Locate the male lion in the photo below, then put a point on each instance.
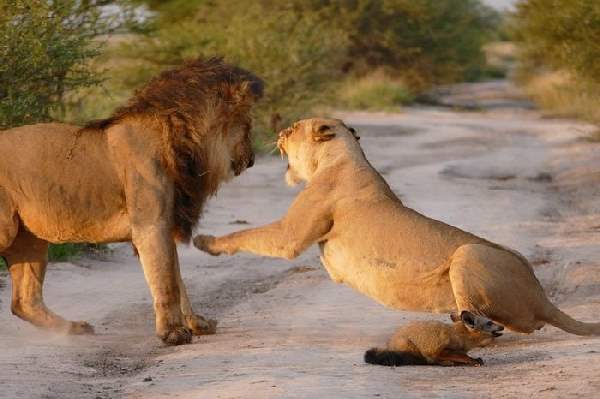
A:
(141, 175)
(372, 242)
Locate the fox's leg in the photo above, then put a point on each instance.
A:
(27, 260)
(495, 283)
(450, 358)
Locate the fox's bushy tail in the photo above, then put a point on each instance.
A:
(386, 357)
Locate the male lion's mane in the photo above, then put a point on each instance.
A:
(191, 105)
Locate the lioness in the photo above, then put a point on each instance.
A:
(141, 175)
(372, 242)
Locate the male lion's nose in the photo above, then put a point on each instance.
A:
(251, 161)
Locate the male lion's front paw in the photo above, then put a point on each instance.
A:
(207, 244)
(177, 336)
(201, 326)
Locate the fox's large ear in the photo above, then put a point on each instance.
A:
(467, 318)
(322, 132)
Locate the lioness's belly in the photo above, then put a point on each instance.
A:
(391, 282)
(394, 255)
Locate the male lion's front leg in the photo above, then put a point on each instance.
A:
(157, 254)
(196, 323)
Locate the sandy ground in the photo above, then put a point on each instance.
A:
(286, 331)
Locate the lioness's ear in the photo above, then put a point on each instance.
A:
(322, 133)
(354, 133)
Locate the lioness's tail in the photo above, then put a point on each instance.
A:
(392, 358)
(565, 322)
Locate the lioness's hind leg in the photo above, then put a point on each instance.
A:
(495, 283)
(27, 260)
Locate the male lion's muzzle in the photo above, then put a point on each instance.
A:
(239, 166)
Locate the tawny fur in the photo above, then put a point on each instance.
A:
(141, 176)
(431, 342)
(372, 242)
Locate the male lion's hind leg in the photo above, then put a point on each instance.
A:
(494, 283)
(196, 323)
(27, 260)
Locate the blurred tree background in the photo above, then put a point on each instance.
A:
(559, 43)
(348, 53)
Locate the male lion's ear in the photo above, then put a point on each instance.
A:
(246, 92)
(322, 133)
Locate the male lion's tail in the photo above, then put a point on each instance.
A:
(386, 357)
(559, 319)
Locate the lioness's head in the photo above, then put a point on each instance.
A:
(305, 144)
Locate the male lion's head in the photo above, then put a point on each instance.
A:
(202, 110)
(303, 143)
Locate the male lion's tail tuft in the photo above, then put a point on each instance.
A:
(385, 357)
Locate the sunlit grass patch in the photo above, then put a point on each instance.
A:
(376, 91)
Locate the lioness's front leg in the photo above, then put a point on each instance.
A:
(307, 221)
(271, 240)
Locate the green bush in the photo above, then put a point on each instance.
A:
(44, 48)
(561, 34)
(559, 43)
(432, 41)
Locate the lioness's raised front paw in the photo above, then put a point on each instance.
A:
(201, 326)
(80, 328)
(207, 244)
(177, 336)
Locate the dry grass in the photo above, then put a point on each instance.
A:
(559, 94)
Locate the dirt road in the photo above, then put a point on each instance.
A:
(286, 331)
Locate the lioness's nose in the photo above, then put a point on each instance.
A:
(251, 161)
